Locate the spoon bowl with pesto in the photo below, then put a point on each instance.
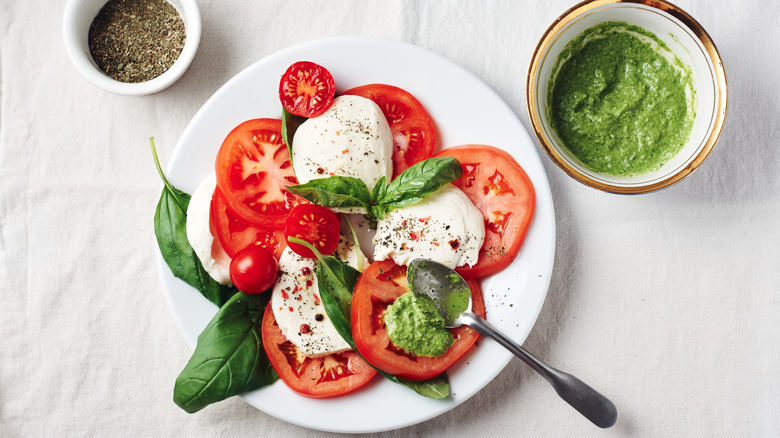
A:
(627, 97)
(451, 295)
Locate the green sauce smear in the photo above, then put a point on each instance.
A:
(620, 100)
(414, 324)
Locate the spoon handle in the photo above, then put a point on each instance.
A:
(594, 406)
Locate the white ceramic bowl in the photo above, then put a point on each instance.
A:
(75, 29)
(684, 37)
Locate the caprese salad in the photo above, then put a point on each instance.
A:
(271, 239)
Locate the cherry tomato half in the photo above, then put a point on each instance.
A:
(253, 270)
(505, 196)
(314, 224)
(413, 133)
(306, 89)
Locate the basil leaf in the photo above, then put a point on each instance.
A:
(336, 280)
(229, 358)
(170, 222)
(377, 211)
(290, 124)
(436, 388)
(335, 192)
(418, 181)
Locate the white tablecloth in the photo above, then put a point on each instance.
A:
(667, 302)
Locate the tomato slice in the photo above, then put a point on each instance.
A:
(505, 196)
(378, 286)
(253, 168)
(318, 377)
(314, 224)
(236, 234)
(413, 133)
(306, 89)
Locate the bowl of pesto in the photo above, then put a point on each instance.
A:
(627, 97)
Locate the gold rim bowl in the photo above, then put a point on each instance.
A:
(685, 37)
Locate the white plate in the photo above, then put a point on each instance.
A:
(465, 110)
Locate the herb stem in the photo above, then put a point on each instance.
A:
(167, 184)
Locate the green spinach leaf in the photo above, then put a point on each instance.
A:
(229, 358)
(170, 222)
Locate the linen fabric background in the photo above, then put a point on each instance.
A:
(666, 302)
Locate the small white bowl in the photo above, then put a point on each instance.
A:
(684, 37)
(75, 30)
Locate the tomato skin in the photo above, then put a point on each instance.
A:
(414, 135)
(377, 287)
(321, 377)
(314, 224)
(253, 270)
(501, 190)
(306, 89)
(235, 234)
(253, 169)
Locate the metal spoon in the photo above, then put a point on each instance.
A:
(453, 298)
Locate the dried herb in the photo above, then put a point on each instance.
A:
(136, 40)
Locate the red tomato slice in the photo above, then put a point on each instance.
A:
(236, 234)
(314, 224)
(253, 167)
(320, 377)
(306, 89)
(378, 286)
(505, 196)
(413, 133)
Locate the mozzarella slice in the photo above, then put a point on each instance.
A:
(208, 249)
(297, 305)
(351, 138)
(445, 227)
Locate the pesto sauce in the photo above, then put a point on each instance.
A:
(414, 324)
(617, 103)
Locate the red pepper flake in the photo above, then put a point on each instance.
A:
(435, 243)
(285, 295)
(297, 289)
(454, 244)
(290, 308)
(309, 283)
(316, 299)
(424, 220)
(403, 223)
(331, 173)
(344, 151)
(305, 329)
(299, 297)
(414, 236)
